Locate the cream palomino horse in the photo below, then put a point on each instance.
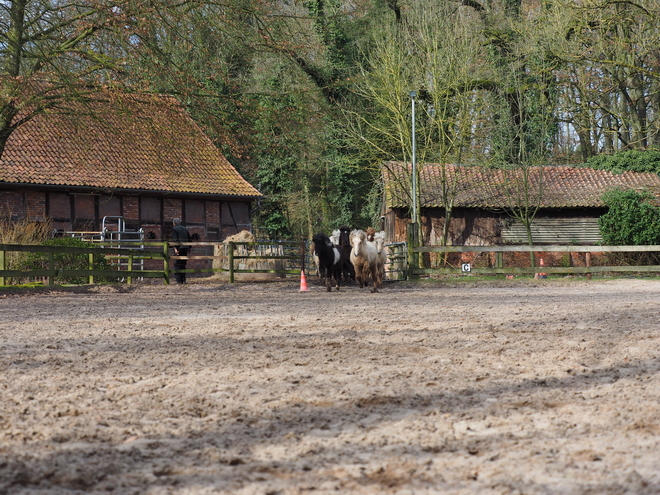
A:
(365, 259)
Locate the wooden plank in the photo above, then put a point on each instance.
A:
(3, 266)
(283, 272)
(76, 250)
(542, 269)
(541, 249)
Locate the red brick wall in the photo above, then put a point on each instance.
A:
(150, 209)
(210, 220)
(131, 208)
(59, 205)
(197, 231)
(36, 205)
(213, 213)
(109, 206)
(235, 218)
(11, 204)
(172, 208)
(194, 211)
(152, 232)
(84, 207)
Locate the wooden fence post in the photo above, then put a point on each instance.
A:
(51, 266)
(587, 259)
(230, 246)
(413, 242)
(90, 266)
(3, 266)
(129, 279)
(166, 262)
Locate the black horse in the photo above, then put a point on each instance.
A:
(331, 260)
(345, 244)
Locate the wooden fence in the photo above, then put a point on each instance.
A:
(499, 268)
(288, 258)
(284, 257)
(127, 263)
(121, 262)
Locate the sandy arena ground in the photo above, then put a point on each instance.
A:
(511, 387)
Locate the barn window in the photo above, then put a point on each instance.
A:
(194, 211)
(150, 210)
(59, 206)
(109, 206)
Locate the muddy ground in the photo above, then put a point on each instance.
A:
(511, 387)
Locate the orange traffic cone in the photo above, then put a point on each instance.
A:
(303, 282)
(542, 275)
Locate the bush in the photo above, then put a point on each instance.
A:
(630, 160)
(69, 261)
(22, 231)
(631, 218)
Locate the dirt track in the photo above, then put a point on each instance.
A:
(517, 387)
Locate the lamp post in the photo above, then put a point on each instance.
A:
(413, 94)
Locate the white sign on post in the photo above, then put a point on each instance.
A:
(466, 267)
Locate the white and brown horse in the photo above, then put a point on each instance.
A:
(366, 260)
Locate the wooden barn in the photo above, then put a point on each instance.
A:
(137, 158)
(569, 201)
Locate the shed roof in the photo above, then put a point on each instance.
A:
(489, 188)
(117, 142)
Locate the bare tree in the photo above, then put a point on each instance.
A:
(51, 52)
(437, 51)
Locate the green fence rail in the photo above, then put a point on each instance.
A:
(122, 262)
(280, 258)
(284, 258)
(415, 270)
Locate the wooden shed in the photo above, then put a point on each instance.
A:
(137, 157)
(569, 201)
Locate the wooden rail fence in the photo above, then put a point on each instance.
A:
(284, 258)
(499, 268)
(157, 251)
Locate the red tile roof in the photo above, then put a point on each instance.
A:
(120, 142)
(477, 187)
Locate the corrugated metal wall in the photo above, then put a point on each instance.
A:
(555, 231)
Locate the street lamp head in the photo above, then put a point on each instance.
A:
(413, 94)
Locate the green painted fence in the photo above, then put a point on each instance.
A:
(414, 269)
(123, 262)
(289, 258)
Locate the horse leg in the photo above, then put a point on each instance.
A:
(359, 275)
(375, 273)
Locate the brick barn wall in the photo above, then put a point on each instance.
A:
(12, 204)
(209, 220)
(84, 213)
(109, 206)
(36, 205)
(131, 209)
(152, 232)
(172, 208)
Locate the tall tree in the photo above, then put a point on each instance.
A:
(51, 51)
(439, 52)
(608, 71)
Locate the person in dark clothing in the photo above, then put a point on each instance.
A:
(180, 234)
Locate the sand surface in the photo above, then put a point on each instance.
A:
(511, 387)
